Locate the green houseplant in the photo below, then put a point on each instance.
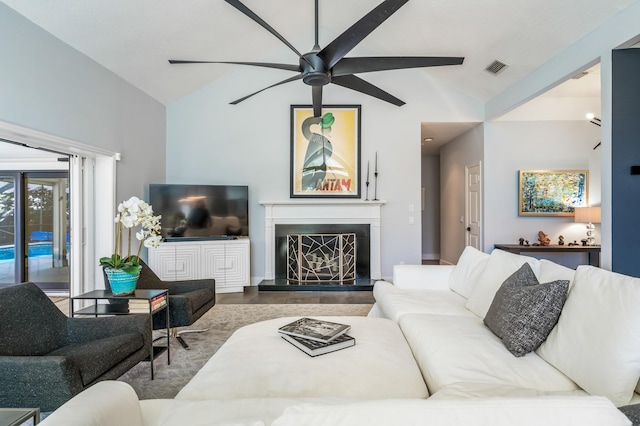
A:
(123, 271)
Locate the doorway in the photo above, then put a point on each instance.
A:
(34, 228)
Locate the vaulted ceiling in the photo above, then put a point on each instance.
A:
(134, 39)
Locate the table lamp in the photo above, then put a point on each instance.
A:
(589, 215)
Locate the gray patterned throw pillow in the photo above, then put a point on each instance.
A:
(524, 312)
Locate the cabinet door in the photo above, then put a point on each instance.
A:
(213, 264)
(172, 262)
(186, 265)
(236, 265)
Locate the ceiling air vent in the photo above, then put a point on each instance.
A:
(495, 67)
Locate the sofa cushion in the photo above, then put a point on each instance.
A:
(96, 357)
(548, 411)
(455, 348)
(467, 271)
(393, 302)
(500, 266)
(597, 340)
(256, 362)
(523, 311)
(551, 271)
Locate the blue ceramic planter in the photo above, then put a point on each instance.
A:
(122, 283)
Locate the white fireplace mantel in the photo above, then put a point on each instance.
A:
(322, 211)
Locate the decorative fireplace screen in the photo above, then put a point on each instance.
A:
(321, 257)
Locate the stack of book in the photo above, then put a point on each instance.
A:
(143, 306)
(317, 337)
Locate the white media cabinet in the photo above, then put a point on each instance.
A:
(227, 261)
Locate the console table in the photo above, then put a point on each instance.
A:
(593, 252)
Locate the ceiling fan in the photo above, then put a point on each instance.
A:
(329, 65)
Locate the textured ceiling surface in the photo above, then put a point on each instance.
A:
(134, 39)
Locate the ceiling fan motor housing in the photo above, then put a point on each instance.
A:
(314, 70)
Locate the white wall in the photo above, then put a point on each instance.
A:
(431, 213)
(210, 141)
(46, 85)
(620, 31)
(544, 145)
(454, 157)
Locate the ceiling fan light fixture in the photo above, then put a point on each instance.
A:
(496, 67)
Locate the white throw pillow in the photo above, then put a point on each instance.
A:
(467, 271)
(500, 266)
(596, 342)
(551, 271)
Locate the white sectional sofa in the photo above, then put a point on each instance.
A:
(427, 332)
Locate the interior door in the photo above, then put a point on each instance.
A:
(473, 206)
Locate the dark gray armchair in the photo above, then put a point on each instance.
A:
(188, 300)
(46, 358)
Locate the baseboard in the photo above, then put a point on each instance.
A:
(430, 256)
(444, 262)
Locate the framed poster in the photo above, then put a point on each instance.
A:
(325, 152)
(552, 192)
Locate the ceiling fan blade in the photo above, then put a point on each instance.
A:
(368, 64)
(359, 85)
(346, 41)
(287, 67)
(244, 9)
(317, 100)
(288, 80)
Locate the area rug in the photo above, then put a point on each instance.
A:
(221, 321)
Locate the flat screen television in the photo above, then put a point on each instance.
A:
(193, 212)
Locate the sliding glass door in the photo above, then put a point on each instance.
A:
(34, 228)
(7, 230)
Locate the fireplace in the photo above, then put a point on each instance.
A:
(323, 217)
(361, 242)
(321, 258)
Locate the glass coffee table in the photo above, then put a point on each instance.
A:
(18, 416)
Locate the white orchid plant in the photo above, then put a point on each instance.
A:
(131, 213)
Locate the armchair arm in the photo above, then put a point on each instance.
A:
(422, 277)
(87, 329)
(38, 381)
(181, 287)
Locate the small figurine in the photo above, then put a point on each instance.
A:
(526, 243)
(584, 241)
(560, 240)
(521, 240)
(543, 239)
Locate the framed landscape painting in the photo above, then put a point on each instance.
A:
(552, 192)
(325, 152)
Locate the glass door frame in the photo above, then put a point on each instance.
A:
(20, 223)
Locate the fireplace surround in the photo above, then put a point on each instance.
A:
(328, 213)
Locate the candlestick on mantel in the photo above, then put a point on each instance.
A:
(375, 182)
(366, 198)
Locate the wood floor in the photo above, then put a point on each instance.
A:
(251, 295)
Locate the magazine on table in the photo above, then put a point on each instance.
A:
(315, 348)
(314, 329)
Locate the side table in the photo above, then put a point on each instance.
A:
(17, 416)
(141, 302)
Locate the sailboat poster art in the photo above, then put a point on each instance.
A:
(325, 152)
